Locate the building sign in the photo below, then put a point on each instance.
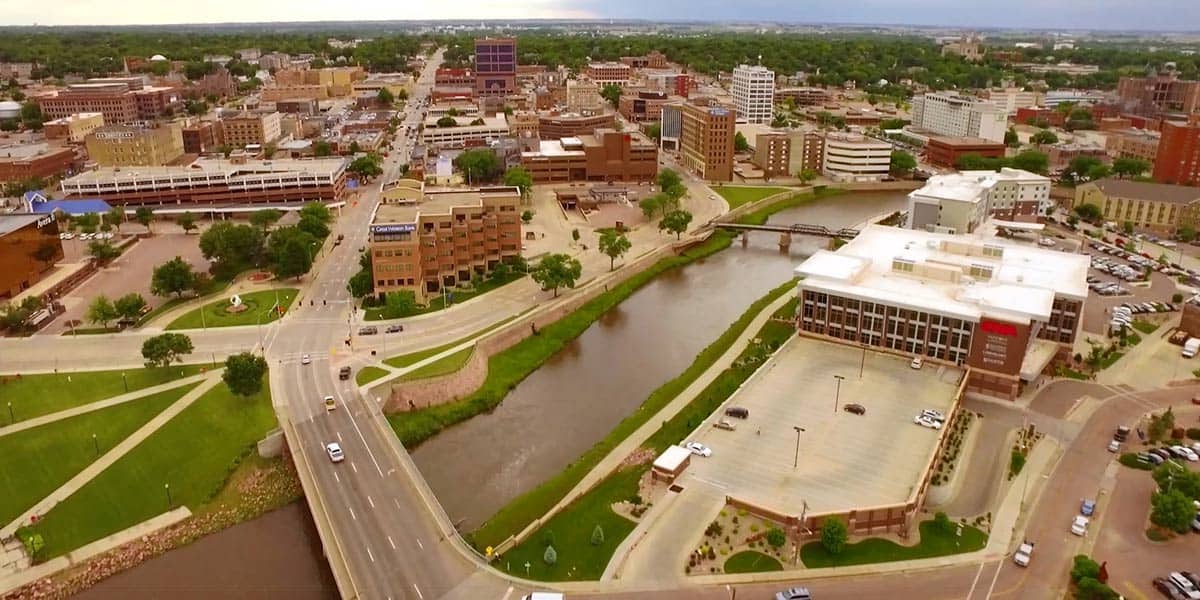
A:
(997, 337)
(113, 135)
(44, 221)
(396, 228)
(998, 328)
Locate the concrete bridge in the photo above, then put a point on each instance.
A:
(787, 231)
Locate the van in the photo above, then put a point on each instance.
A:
(742, 413)
(1191, 347)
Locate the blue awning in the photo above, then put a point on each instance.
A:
(71, 207)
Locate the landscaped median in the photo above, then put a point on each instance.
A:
(577, 557)
(737, 195)
(936, 540)
(261, 307)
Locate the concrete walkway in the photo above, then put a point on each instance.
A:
(99, 405)
(659, 553)
(80, 479)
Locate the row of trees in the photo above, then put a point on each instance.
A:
(287, 251)
(243, 374)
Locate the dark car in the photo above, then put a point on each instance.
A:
(344, 373)
(1121, 434)
(394, 329)
(369, 330)
(856, 409)
(1168, 590)
(793, 594)
(737, 411)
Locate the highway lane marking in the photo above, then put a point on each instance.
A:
(352, 515)
(419, 544)
(369, 555)
(353, 467)
(364, 441)
(994, 579)
(393, 544)
(975, 582)
(419, 594)
(371, 502)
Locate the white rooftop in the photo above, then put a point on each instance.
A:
(671, 458)
(1023, 283)
(969, 186)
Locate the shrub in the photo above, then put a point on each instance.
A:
(1193, 433)
(1084, 567)
(1177, 297)
(834, 536)
(942, 523)
(597, 535)
(550, 556)
(776, 538)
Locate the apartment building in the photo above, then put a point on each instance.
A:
(644, 105)
(706, 139)
(950, 114)
(945, 151)
(1178, 157)
(1157, 207)
(606, 155)
(73, 128)
(437, 240)
(215, 182)
(1004, 310)
(753, 90)
(609, 73)
(136, 146)
(808, 152)
(773, 153)
(19, 162)
(247, 128)
(558, 126)
(962, 202)
(495, 66)
(850, 157)
(583, 96)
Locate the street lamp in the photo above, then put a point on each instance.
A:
(796, 461)
(863, 365)
(96, 444)
(837, 394)
(167, 487)
(125, 381)
(11, 418)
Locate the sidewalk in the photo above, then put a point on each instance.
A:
(112, 456)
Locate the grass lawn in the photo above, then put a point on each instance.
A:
(369, 374)
(1145, 327)
(442, 366)
(737, 196)
(214, 287)
(45, 393)
(533, 504)
(195, 453)
(760, 216)
(876, 550)
(459, 296)
(36, 461)
(412, 358)
(749, 561)
(258, 310)
(570, 532)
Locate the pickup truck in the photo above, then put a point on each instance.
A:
(1023, 554)
(1191, 347)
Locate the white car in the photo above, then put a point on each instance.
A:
(925, 421)
(335, 452)
(1079, 525)
(699, 449)
(1186, 452)
(1114, 446)
(917, 362)
(305, 359)
(1023, 554)
(933, 414)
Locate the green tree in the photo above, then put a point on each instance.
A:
(129, 307)
(172, 277)
(1084, 566)
(399, 304)
(321, 148)
(31, 116)
(103, 251)
(88, 223)
(1129, 167)
(597, 535)
(265, 218)
(1127, 227)
(231, 247)
(313, 226)
(115, 216)
(942, 523)
(291, 252)
(520, 178)
(740, 144)
(779, 121)
(834, 535)
(1089, 212)
(385, 97)
(447, 121)
(675, 222)
(187, 221)
(1045, 136)
(363, 282)
(244, 373)
(101, 311)
(1186, 233)
(557, 270)
(164, 349)
(366, 167)
(1172, 510)
(612, 93)
(1090, 588)
(1010, 138)
(902, 163)
(1032, 161)
(527, 217)
(776, 537)
(1171, 476)
(806, 176)
(654, 131)
(480, 166)
(144, 216)
(671, 184)
(1161, 425)
(614, 245)
(550, 556)
(1081, 169)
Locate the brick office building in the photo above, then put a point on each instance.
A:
(495, 66)
(121, 100)
(555, 127)
(29, 247)
(443, 238)
(1178, 157)
(706, 139)
(644, 105)
(606, 155)
(19, 162)
(945, 151)
(1003, 310)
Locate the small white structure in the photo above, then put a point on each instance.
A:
(671, 463)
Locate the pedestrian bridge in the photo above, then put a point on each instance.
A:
(797, 229)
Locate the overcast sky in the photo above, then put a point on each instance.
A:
(1055, 14)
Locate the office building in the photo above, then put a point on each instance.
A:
(583, 96)
(333, 82)
(950, 114)
(298, 106)
(1010, 99)
(200, 137)
(120, 100)
(215, 183)
(850, 157)
(73, 128)
(945, 151)
(671, 127)
(652, 60)
(706, 139)
(558, 126)
(606, 156)
(644, 105)
(428, 242)
(1133, 143)
(808, 152)
(962, 202)
(134, 146)
(1160, 93)
(803, 96)
(453, 77)
(1156, 207)
(609, 73)
(773, 153)
(495, 66)
(966, 47)
(21, 162)
(248, 129)
(753, 90)
(29, 247)
(1003, 310)
(468, 131)
(1178, 158)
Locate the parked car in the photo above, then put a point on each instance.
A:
(925, 421)
(933, 414)
(699, 449)
(725, 424)
(305, 359)
(344, 373)
(1167, 589)
(1114, 446)
(1186, 453)
(1184, 585)
(1121, 433)
(1023, 554)
(335, 452)
(1079, 525)
(793, 594)
(856, 409)
(397, 328)
(917, 362)
(369, 330)
(737, 411)
(1087, 507)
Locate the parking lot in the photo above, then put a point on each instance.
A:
(1116, 279)
(845, 460)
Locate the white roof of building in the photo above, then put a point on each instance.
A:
(1024, 279)
(968, 186)
(672, 458)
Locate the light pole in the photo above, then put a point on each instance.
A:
(838, 393)
(863, 365)
(796, 461)
(96, 444)
(167, 487)
(125, 381)
(11, 418)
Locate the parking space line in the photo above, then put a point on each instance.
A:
(391, 543)
(371, 502)
(419, 594)
(336, 478)
(369, 555)
(419, 544)
(353, 467)
(352, 515)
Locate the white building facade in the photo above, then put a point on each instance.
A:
(753, 90)
(961, 202)
(850, 157)
(948, 113)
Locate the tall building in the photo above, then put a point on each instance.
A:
(200, 136)
(944, 151)
(671, 127)
(773, 153)
(607, 155)
(245, 129)
(133, 146)
(120, 100)
(949, 114)
(556, 127)
(961, 202)
(808, 152)
(425, 242)
(583, 96)
(1011, 98)
(1178, 158)
(753, 91)
(1159, 93)
(495, 66)
(643, 105)
(73, 128)
(850, 157)
(1005, 310)
(706, 139)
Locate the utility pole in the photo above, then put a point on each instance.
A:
(863, 365)
(838, 393)
(796, 460)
